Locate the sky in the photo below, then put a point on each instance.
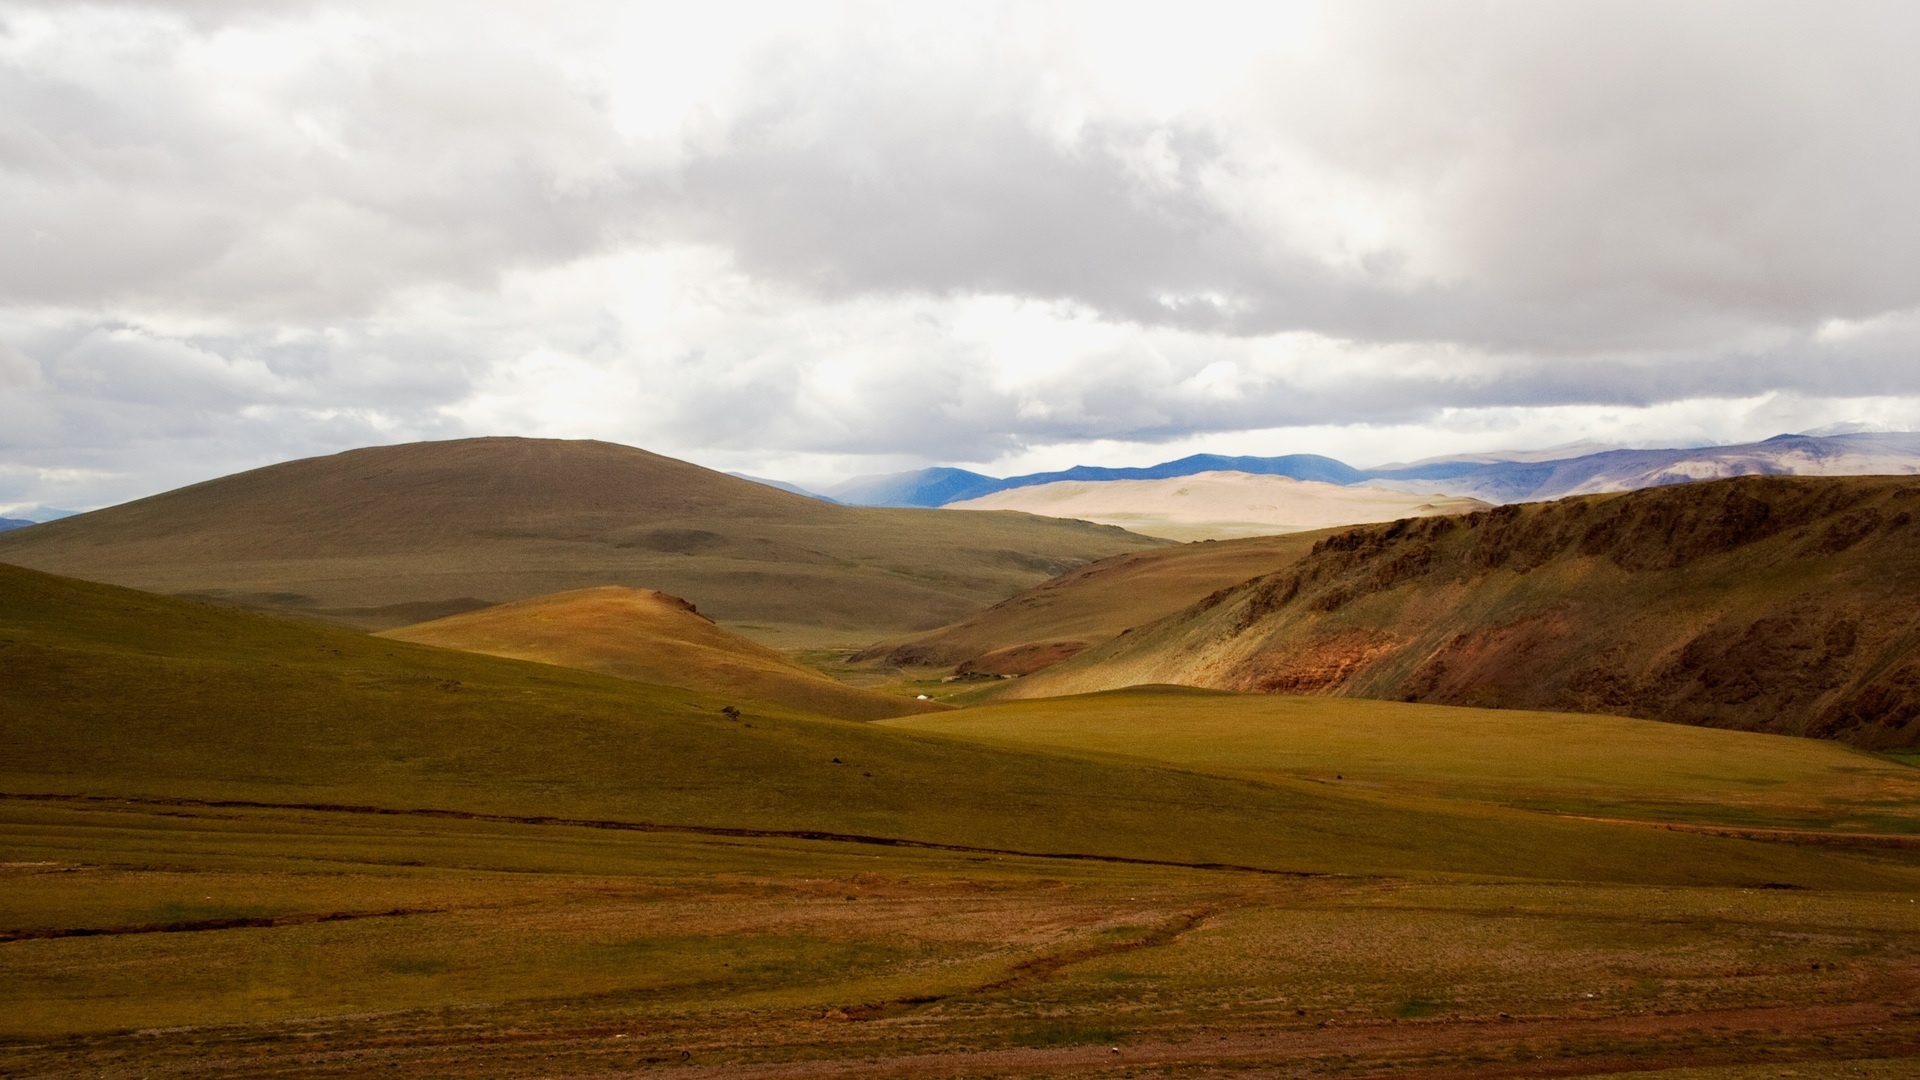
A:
(812, 241)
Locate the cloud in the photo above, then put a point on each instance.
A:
(862, 235)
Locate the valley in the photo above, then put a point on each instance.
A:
(594, 832)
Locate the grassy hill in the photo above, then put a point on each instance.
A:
(650, 637)
(1765, 603)
(1093, 604)
(387, 536)
(115, 693)
(233, 844)
(1570, 763)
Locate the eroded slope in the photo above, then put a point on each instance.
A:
(1765, 603)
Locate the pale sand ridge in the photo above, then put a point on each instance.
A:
(1219, 505)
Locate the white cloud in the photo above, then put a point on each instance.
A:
(844, 238)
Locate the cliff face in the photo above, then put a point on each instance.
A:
(1779, 604)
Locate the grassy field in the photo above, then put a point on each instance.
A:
(1568, 763)
(232, 844)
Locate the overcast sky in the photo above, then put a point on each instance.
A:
(811, 241)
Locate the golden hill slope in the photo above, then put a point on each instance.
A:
(116, 694)
(1056, 619)
(391, 535)
(1219, 505)
(1766, 603)
(650, 637)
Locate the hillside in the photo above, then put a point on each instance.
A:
(392, 535)
(115, 693)
(1570, 763)
(1055, 620)
(650, 637)
(1218, 505)
(1765, 603)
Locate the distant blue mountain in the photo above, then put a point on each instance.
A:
(940, 486)
(15, 523)
(1521, 478)
(783, 486)
(922, 487)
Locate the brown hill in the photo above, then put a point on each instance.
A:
(1766, 603)
(1053, 621)
(651, 637)
(390, 535)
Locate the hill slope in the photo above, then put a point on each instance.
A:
(1766, 603)
(118, 694)
(1218, 505)
(1573, 763)
(1054, 620)
(392, 535)
(650, 637)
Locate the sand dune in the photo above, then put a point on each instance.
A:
(1219, 505)
(649, 637)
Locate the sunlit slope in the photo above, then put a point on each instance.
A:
(650, 637)
(1093, 604)
(391, 535)
(1219, 505)
(115, 693)
(1561, 762)
(1781, 604)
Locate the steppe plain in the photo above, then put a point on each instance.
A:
(268, 844)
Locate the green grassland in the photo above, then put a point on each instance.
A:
(232, 844)
(1562, 762)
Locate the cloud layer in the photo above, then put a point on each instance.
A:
(858, 237)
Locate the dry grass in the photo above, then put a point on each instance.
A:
(1569, 763)
(387, 536)
(650, 637)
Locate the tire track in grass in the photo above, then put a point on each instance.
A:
(239, 922)
(658, 827)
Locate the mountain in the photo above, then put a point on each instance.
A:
(1519, 476)
(944, 486)
(650, 637)
(783, 486)
(8, 524)
(1530, 478)
(391, 535)
(1777, 604)
(922, 487)
(1052, 621)
(1218, 505)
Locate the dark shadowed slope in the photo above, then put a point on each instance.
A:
(392, 535)
(651, 637)
(1765, 603)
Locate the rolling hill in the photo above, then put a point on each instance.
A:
(1055, 620)
(1764, 603)
(650, 637)
(116, 694)
(392, 535)
(1218, 505)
